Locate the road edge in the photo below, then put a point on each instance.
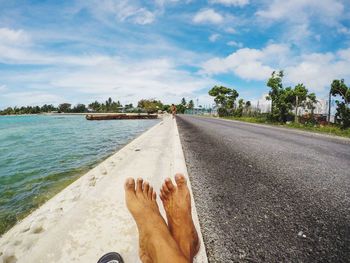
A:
(303, 132)
(180, 167)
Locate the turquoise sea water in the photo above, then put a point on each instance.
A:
(40, 155)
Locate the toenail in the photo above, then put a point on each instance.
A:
(129, 181)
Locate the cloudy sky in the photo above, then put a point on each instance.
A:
(81, 50)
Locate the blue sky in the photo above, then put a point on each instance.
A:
(78, 51)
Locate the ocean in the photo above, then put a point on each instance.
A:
(42, 154)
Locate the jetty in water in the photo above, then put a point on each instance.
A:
(120, 116)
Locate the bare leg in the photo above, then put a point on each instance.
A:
(177, 205)
(156, 243)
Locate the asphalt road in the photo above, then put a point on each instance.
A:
(268, 194)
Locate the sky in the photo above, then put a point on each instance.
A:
(78, 51)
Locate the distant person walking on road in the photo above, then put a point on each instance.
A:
(173, 110)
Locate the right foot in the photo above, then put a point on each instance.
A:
(177, 205)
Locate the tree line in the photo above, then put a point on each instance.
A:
(143, 106)
(285, 101)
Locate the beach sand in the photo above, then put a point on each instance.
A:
(89, 217)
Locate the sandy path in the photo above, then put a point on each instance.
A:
(89, 217)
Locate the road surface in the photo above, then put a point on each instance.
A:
(266, 194)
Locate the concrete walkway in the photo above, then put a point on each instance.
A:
(89, 218)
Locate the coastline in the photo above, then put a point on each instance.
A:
(89, 217)
(76, 113)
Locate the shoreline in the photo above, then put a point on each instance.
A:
(45, 183)
(76, 114)
(88, 218)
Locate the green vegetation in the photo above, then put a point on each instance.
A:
(150, 106)
(225, 100)
(144, 105)
(285, 103)
(342, 116)
(330, 129)
(283, 100)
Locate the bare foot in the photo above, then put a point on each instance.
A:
(155, 240)
(177, 205)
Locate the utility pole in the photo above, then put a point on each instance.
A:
(329, 107)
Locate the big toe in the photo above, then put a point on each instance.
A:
(129, 186)
(169, 184)
(180, 180)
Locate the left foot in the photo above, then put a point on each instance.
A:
(142, 205)
(177, 204)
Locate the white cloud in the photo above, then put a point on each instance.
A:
(208, 16)
(315, 70)
(214, 37)
(24, 55)
(233, 43)
(120, 10)
(133, 79)
(230, 2)
(31, 98)
(3, 88)
(120, 78)
(230, 30)
(246, 63)
(91, 76)
(143, 16)
(13, 37)
(301, 16)
(300, 11)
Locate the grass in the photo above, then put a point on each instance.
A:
(328, 129)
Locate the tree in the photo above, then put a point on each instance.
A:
(190, 104)
(276, 86)
(310, 103)
(183, 101)
(239, 111)
(339, 88)
(284, 99)
(64, 107)
(224, 98)
(180, 108)
(150, 105)
(300, 93)
(95, 106)
(79, 108)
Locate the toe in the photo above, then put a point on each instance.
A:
(145, 188)
(154, 196)
(162, 195)
(180, 180)
(150, 192)
(169, 184)
(129, 186)
(139, 185)
(165, 189)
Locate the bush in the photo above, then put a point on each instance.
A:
(223, 112)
